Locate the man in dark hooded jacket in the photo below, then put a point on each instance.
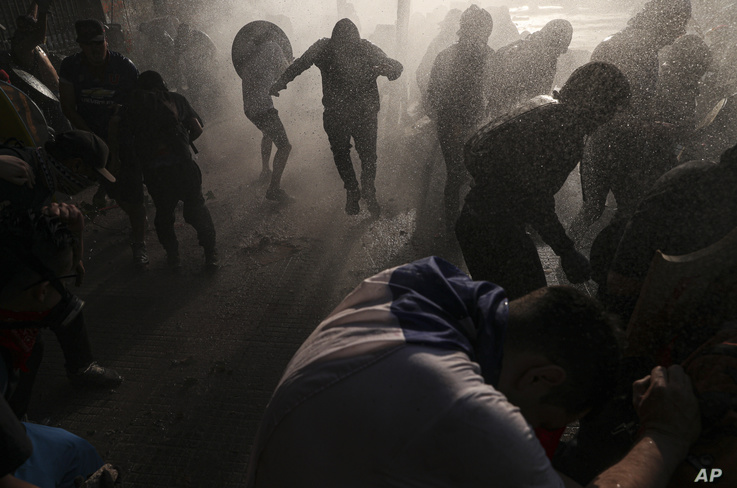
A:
(457, 98)
(526, 68)
(634, 50)
(349, 67)
(519, 162)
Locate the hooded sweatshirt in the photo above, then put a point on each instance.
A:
(349, 67)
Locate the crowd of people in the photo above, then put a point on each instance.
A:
(423, 375)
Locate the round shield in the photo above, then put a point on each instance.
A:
(30, 82)
(244, 45)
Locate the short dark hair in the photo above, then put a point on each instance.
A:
(574, 332)
(150, 81)
(29, 240)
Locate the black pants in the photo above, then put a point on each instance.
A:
(170, 184)
(75, 345)
(497, 248)
(362, 127)
(452, 135)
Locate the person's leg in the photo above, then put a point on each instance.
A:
(496, 248)
(21, 396)
(337, 128)
(266, 144)
(364, 135)
(452, 140)
(195, 212)
(129, 194)
(272, 125)
(82, 369)
(160, 185)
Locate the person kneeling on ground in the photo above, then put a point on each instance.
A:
(424, 377)
(158, 126)
(29, 177)
(38, 253)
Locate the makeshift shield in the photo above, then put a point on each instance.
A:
(244, 44)
(20, 117)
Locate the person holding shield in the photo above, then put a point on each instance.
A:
(259, 68)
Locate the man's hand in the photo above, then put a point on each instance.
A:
(575, 266)
(74, 220)
(276, 88)
(16, 171)
(665, 403)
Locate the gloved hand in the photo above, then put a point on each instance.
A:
(575, 266)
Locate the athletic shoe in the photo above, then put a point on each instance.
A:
(212, 259)
(373, 206)
(351, 202)
(95, 376)
(278, 195)
(140, 256)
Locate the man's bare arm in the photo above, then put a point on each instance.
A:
(669, 415)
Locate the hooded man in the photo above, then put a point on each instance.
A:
(456, 98)
(634, 50)
(349, 67)
(516, 179)
(526, 68)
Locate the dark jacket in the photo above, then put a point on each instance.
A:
(348, 79)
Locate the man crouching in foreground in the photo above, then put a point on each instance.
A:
(422, 377)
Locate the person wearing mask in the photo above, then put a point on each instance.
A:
(259, 71)
(456, 98)
(349, 67)
(516, 179)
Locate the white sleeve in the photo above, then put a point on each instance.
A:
(485, 441)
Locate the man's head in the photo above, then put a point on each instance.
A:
(475, 26)
(687, 60)
(345, 33)
(82, 152)
(561, 356)
(663, 20)
(35, 252)
(92, 40)
(596, 91)
(556, 35)
(151, 81)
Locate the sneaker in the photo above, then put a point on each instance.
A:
(351, 202)
(95, 376)
(140, 256)
(373, 206)
(278, 195)
(173, 260)
(212, 259)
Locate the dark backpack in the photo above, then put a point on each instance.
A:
(155, 130)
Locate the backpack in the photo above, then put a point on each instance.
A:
(155, 130)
